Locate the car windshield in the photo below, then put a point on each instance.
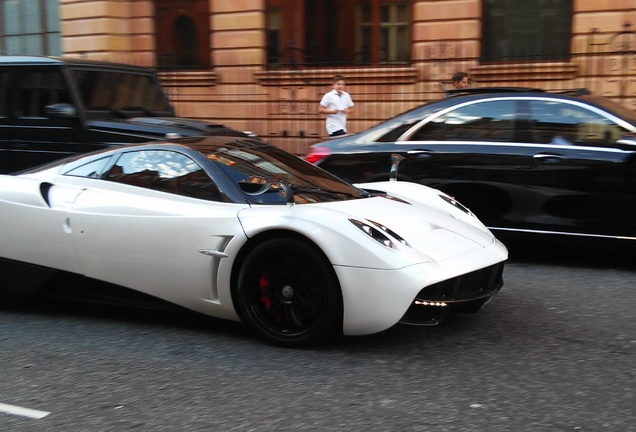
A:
(264, 172)
(122, 94)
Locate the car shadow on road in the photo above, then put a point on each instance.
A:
(571, 251)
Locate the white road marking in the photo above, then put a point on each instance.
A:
(24, 412)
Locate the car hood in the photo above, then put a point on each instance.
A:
(431, 233)
(420, 224)
(160, 127)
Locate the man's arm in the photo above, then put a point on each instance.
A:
(324, 110)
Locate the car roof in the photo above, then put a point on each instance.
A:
(580, 95)
(25, 60)
(202, 144)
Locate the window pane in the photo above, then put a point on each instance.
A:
(164, 171)
(30, 27)
(402, 13)
(365, 14)
(567, 124)
(12, 44)
(52, 14)
(54, 44)
(39, 89)
(31, 16)
(485, 121)
(32, 44)
(521, 30)
(10, 12)
(385, 13)
(273, 34)
(4, 94)
(92, 170)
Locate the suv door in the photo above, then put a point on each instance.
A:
(31, 133)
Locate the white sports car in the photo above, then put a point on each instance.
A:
(238, 229)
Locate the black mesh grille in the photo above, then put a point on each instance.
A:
(465, 287)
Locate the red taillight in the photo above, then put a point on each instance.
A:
(316, 154)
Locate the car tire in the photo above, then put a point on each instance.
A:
(288, 292)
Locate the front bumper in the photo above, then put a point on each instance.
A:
(466, 293)
(375, 299)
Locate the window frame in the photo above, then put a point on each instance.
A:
(304, 42)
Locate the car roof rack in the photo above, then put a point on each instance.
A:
(574, 92)
(478, 90)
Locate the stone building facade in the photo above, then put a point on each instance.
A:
(221, 61)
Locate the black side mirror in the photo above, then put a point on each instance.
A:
(60, 110)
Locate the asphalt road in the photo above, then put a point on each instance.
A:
(554, 351)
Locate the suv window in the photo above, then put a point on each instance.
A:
(4, 94)
(481, 121)
(113, 91)
(40, 89)
(164, 171)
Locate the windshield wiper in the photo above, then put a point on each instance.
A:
(140, 108)
(316, 189)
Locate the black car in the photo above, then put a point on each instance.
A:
(55, 107)
(523, 160)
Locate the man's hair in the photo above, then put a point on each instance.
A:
(458, 76)
(338, 78)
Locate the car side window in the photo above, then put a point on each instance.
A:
(164, 171)
(482, 121)
(40, 89)
(4, 94)
(91, 170)
(555, 122)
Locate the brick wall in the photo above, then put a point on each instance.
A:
(282, 105)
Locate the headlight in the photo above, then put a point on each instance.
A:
(379, 233)
(452, 201)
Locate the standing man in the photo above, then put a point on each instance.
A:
(336, 104)
(459, 81)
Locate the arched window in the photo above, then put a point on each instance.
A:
(183, 33)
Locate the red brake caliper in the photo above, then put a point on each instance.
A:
(263, 284)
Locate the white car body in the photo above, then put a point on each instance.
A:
(184, 250)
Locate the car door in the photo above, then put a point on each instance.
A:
(473, 152)
(587, 176)
(35, 227)
(145, 227)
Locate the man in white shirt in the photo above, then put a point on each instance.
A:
(336, 104)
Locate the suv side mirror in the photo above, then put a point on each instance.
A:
(60, 110)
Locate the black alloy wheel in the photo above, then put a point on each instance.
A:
(288, 292)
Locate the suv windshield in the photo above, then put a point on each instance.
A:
(125, 94)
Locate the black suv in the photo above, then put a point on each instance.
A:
(54, 107)
(523, 160)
